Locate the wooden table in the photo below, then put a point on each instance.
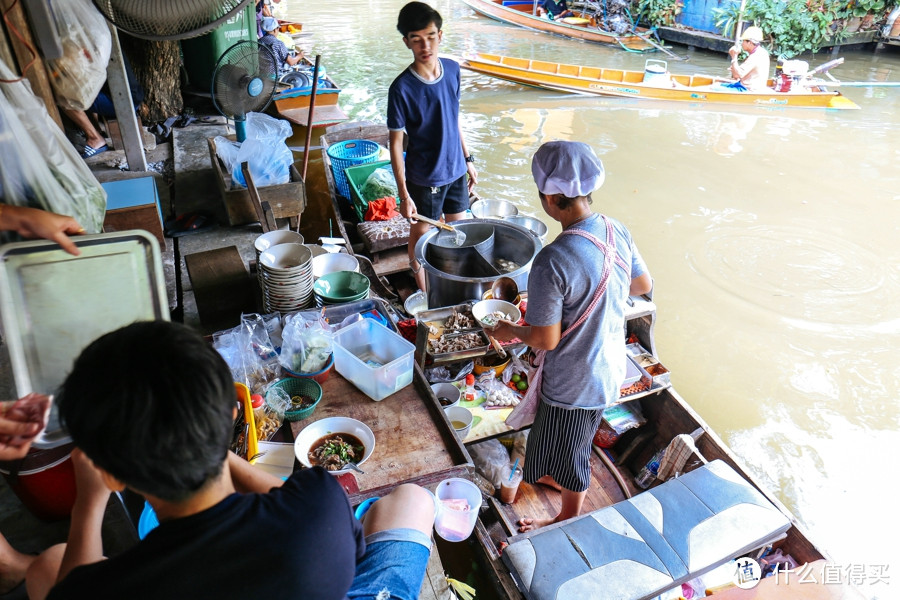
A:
(414, 441)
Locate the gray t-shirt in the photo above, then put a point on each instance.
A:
(587, 367)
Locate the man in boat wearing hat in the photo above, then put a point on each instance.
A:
(151, 407)
(283, 57)
(438, 172)
(578, 288)
(753, 73)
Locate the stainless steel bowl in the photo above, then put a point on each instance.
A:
(538, 227)
(493, 209)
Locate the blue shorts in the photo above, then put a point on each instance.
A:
(393, 566)
(433, 202)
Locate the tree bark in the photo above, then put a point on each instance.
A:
(157, 66)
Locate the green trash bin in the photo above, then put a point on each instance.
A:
(200, 54)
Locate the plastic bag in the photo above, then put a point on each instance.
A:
(490, 458)
(249, 353)
(38, 166)
(270, 416)
(306, 344)
(79, 74)
(379, 184)
(265, 151)
(497, 395)
(449, 374)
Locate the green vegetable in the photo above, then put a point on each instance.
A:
(379, 184)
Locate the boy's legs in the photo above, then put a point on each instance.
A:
(451, 201)
(398, 544)
(13, 565)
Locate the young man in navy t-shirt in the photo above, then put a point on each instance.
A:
(424, 101)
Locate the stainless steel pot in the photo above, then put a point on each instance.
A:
(458, 274)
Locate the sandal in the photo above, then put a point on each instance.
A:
(189, 223)
(88, 151)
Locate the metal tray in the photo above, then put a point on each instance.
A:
(54, 304)
(461, 354)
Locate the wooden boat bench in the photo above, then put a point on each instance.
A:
(640, 547)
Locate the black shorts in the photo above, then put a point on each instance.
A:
(433, 202)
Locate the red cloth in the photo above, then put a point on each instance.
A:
(382, 209)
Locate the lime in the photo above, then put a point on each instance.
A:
(516, 378)
(522, 385)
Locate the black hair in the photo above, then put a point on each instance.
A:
(416, 16)
(151, 404)
(565, 202)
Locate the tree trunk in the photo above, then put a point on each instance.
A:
(157, 66)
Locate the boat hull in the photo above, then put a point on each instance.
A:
(293, 105)
(589, 33)
(631, 84)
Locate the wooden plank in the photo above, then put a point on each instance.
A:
(37, 74)
(435, 586)
(388, 262)
(414, 441)
(322, 115)
(222, 287)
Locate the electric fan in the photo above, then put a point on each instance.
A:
(244, 81)
(168, 19)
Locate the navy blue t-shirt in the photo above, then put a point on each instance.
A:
(429, 112)
(553, 7)
(297, 541)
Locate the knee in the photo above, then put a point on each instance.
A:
(43, 571)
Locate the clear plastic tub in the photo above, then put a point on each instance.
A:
(378, 361)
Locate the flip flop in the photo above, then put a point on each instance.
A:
(189, 223)
(89, 151)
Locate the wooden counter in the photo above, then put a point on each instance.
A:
(414, 442)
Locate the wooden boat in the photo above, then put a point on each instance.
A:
(292, 100)
(655, 82)
(583, 26)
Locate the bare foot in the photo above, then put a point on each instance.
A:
(13, 565)
(529, 524)
(549, 482)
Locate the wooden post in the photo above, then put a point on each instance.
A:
(37, 74)
(309, 121)
(124, 106)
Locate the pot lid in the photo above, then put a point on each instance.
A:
(54, 304)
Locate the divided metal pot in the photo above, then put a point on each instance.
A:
(456, 274)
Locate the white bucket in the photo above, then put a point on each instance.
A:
(456, 525)
(655, 71)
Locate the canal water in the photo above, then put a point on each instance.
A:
(771, 234)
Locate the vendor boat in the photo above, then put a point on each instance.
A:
(654, 82)
(584, 25)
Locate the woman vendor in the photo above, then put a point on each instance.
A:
(578, 288)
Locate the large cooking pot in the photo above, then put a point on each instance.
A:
(456, 274)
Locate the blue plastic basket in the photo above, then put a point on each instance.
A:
(348, 154)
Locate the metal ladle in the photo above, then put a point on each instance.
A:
(460, 234)
(505, 288)
(353, 466)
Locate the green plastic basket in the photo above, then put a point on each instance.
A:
(298, 387)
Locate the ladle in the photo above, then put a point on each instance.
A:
(460, 235)
(353, 466)
(505, 288)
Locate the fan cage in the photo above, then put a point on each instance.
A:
(161, 20)
(239, 64)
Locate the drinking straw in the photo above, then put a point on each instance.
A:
(513, 470)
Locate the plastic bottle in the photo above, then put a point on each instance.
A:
(470, 388)
(647, 474)
(259, 409)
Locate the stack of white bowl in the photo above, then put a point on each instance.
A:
(286, 277)
(270, 239)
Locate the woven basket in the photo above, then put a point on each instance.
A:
(298, 387)
(350, 153)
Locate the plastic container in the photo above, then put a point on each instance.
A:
(461, 420)
(469, 395)
(319, 376)
(347, 154)
(356, 179)
(375, 359)
(44, 481)
(451, 524)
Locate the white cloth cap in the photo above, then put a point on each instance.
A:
(568, 168)
(269, 24)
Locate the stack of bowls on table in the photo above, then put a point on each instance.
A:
(340, 287)
(286, 277)
(270, 239)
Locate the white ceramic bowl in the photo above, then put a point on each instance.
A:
(316, 249)
(482, 308)
(447, 390)
(416, 303)
(329, 263)
(315, 431)
(285, 256)
(275, 238)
